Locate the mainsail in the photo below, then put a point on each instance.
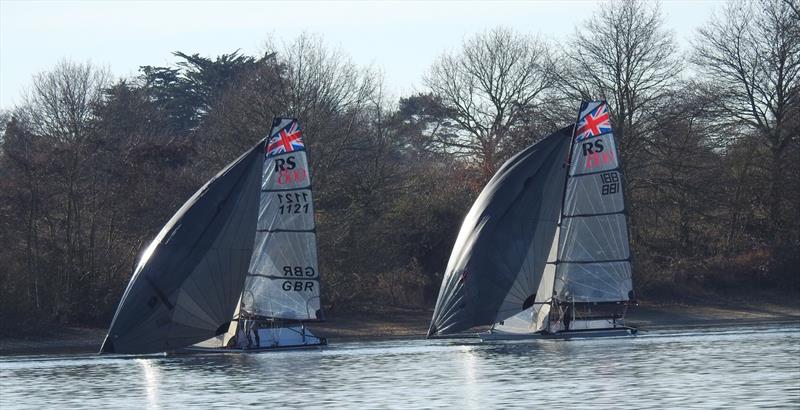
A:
(283, 278)
(501, 250)
(188, 282)
(593, 252)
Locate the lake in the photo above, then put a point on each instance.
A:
(723, 367)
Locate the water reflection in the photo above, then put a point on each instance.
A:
(717, 368)
(151, 381)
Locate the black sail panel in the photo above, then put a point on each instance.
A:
(188, 281)
(502, 247)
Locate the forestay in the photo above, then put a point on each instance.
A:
(283, 278)
(593, 251)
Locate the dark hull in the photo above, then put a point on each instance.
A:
(571, 334)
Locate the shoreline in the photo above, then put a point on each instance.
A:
(413, 324)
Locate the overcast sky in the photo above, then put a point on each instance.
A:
(401, 38)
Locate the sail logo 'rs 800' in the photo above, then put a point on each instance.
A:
(288, 172)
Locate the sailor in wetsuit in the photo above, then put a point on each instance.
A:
(567, 316)
(251, 332)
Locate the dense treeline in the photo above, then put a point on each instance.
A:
(93, 167)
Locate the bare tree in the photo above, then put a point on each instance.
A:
(486, 88)
(752, 54)
(60, 102)
(59, 112)
(625, 55)
(794, 6)
(328, 92)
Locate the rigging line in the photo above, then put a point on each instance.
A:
(567, 172)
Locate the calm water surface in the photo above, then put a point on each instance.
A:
(746, 367)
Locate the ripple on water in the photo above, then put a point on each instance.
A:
(748, 367)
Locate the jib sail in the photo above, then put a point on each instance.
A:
(283, 281)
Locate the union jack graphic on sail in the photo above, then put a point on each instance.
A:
(593, 124)
(287, 139)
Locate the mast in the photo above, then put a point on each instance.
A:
(557, 236)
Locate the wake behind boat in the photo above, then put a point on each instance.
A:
(235, 269)
(544, 252)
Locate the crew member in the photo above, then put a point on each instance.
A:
(567, 316)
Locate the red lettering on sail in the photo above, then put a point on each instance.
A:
(598, 158)
(295, 176)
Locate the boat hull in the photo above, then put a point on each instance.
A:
(571, 334)
(270, 339)
(238, 350)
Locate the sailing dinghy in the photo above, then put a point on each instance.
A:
(544, 252)
(235, 269)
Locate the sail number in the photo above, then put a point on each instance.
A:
(298, 285)
(293, 203)
(610, 183)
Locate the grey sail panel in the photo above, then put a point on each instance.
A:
(594, 238)
(497, 261)
(188, 281)
(283, 281)
(594, 282)
(582, 191)
(594, 250)
(286, 210)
